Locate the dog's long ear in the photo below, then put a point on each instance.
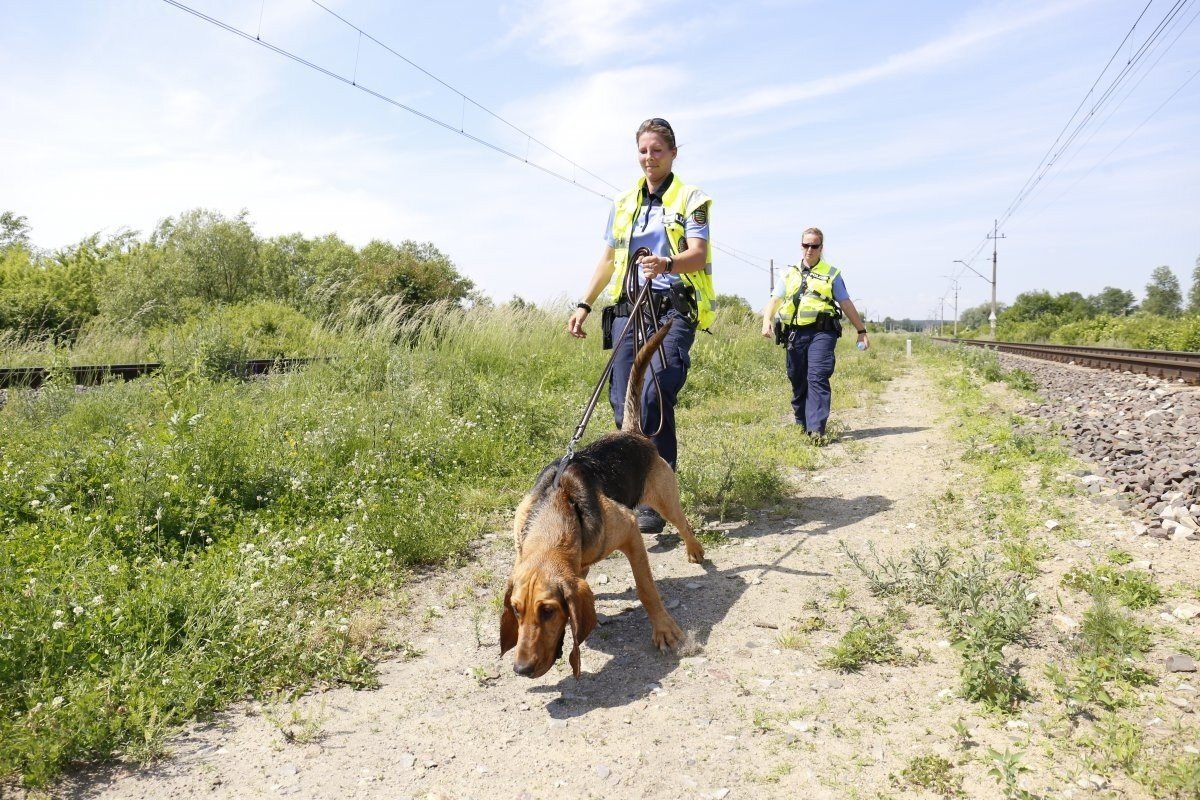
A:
(581, 608)
(508, 622)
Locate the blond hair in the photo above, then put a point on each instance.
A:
(661, 127)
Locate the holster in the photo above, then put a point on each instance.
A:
(831, 323)
(683, 300)
(607, 315)
(781, 333)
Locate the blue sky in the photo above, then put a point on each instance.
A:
(902, 130)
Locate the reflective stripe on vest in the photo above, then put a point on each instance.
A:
(679, 201)
(817, 297)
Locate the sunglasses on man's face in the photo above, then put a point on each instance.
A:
(811, 246)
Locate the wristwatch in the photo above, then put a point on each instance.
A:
(863, 332)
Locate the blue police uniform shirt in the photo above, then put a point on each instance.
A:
(648, 232)
(839, 289)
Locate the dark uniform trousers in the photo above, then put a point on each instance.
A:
(810, 362)
(658, 398)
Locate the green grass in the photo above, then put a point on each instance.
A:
(869, 642)
(1132, 588)
(932, 773)
(173, 544)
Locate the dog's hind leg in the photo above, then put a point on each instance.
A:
(662, 494)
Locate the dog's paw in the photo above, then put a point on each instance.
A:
(695, 552)
(666, 635)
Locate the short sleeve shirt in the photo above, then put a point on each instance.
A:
(648, 232)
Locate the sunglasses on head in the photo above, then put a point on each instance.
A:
(660, 122)
(816, 246)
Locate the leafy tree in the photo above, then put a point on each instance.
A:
(1113, 302)
(1046, 307)
(14, 231)
(736, 306)
(310, 274)
(519, 303)
(975, 317)
(216, 258)
(415, 272)
(1163, 297)
(55, 295)
(1194, 294)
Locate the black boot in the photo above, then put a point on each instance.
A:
(649, 520)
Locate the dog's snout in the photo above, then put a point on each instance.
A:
(525, 669)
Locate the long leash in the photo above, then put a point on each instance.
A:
(639, 338)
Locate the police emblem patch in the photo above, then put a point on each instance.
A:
(700, 215)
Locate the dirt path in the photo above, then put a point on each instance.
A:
(737, 715)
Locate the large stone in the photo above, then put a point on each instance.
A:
(1180, 663)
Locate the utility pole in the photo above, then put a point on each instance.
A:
(771, 293)
(954, 283)
(994, 235)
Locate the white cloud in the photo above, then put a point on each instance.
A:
(936, 53)
(577, 32)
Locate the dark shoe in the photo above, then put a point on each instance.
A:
(650, 521)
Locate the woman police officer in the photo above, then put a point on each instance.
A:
(811, 294)
(663, 222)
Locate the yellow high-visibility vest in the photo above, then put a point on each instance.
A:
(679, 202)
(806, 296)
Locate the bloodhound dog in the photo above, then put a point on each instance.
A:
(562, 528)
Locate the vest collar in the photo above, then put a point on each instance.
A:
(644, 192)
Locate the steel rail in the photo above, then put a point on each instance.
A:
(95, 374)
(1179, 364)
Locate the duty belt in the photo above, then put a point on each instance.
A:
(659, 301)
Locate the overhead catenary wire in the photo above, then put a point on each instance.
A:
(1176, 22)
(1140, 125)
(465, 98)
(1082, 102)
(353, 81)
(1054, 156)
(1045, 165)
(380, 96)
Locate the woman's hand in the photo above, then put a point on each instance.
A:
(654, 265)
(575, 323)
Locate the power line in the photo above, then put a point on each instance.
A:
(1095, 83)
(378, 95)
(1054, 155)
(465, 98)
(1046, 165)
(729, 252)
(1129, 92)
(460, 130)
(1150, 116)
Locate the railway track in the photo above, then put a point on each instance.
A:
(1161, 363)
(92, 375)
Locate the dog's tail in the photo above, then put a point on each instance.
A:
(633, 393)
